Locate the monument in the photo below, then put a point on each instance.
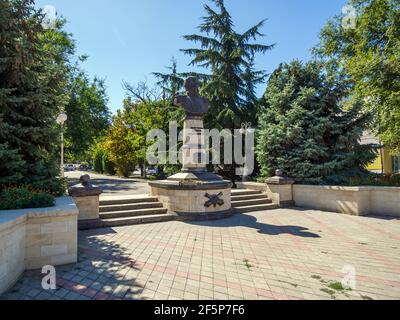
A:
(194, 193)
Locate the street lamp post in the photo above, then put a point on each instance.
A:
(62, 117)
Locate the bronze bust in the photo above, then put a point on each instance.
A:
(195, 105)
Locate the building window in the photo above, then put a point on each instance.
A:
(396, 164)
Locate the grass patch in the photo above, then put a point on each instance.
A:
(337, 286)
(247, 264)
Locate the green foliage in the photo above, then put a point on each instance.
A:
(229, 56)
(56, 187)
(88, 115)
(120, 149)
(33, 74)
(370, 55)
(309, 130)
(170, 83)
(376, 180)
(98, 153)
(108, 165)
(22, 198)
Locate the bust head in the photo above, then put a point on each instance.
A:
(192, 85)
(85, 180)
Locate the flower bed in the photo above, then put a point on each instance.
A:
(25, 197)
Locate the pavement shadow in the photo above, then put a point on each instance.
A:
(243, 220)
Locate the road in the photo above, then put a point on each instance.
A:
(111, 185)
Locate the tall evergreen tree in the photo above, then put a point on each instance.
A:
(308, 127)
(33, 74)
(171, 83)
(229, 56)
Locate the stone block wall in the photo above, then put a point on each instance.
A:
(384, 201)
(367, 200)
(33, 238)
(12, 250)
(51, 241)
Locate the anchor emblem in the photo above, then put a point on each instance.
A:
(214, 200)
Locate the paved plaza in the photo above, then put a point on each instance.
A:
(280, 254)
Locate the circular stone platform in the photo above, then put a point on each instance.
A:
(194, 195)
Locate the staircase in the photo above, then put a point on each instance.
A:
(132, 210)
(250, 200)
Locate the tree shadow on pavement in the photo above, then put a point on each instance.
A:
(105, 271)
(243, 220)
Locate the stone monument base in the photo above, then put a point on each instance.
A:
(194, 196)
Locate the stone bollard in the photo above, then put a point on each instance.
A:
(86, 197)
(280, 189)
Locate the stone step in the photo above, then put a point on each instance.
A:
(132, 213)
(259, 207)
(126, 200)
(129, 206)
(246, 203)
(248, 197)
(244, 192)
(137, 220)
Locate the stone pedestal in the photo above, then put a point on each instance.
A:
(280, 189)
(193, 149)
(194, 193)
(86, 197)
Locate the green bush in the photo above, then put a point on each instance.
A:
(55, 187)
(22, 198)
(377, 180)
(98, 161)
(108, 165)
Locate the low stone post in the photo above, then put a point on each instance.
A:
(86, 196)
(280, 189)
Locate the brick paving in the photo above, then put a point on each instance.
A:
(280, 254)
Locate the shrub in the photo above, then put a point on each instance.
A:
(377, 180)
(108, 165)
(55, 187)
(98, 161)
(23, 197)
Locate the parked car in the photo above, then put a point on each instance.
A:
(152, 171)
(84, 167)
(69, 167)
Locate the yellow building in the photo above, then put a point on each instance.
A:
(385, 162)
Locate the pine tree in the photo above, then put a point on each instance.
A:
(33, 69)
(229, 56)
(171, 83)
(308, 127)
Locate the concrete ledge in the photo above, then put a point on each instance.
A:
(365, 200)
(33, 238)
